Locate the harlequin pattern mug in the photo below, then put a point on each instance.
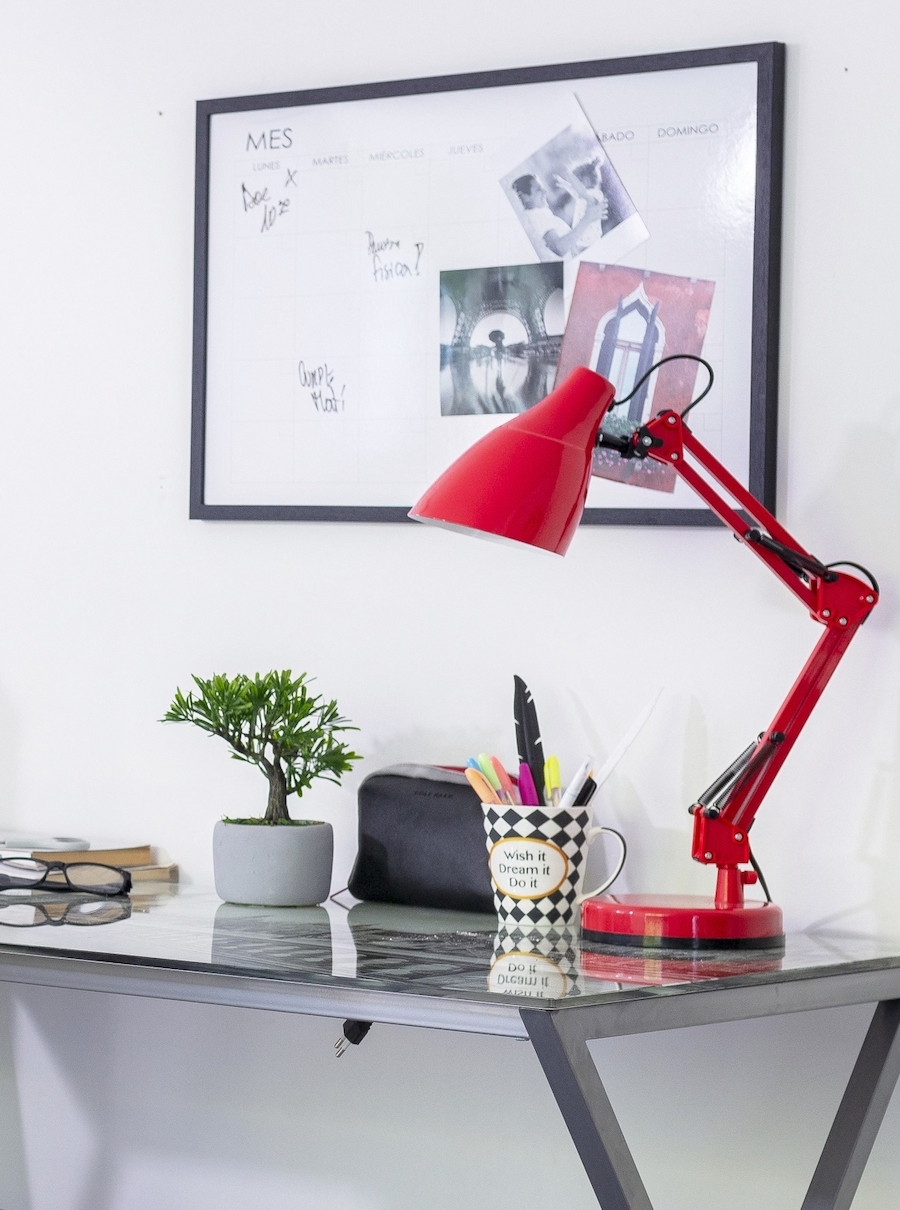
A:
(536, 857)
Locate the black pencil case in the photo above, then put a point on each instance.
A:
(421, 840)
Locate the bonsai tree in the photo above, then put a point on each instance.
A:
(274, 722)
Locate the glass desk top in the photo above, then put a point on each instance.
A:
(390, 950)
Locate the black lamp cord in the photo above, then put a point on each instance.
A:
(674, 357)
(761, 877)
(802, 564)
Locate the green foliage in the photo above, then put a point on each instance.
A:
(272, 721)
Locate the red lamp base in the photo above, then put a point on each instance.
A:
(681, 922)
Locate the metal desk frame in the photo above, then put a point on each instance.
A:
(560, 1033)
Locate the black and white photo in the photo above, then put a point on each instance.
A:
(571, 201)
(501, 332)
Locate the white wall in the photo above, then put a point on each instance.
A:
(110, 597)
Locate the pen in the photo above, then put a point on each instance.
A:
(586, 793)
(527, 792)
(576, 784)
(507, 789)
(481, 786)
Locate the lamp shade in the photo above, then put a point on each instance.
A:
(527, 480)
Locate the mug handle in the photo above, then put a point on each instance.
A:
(592, 834)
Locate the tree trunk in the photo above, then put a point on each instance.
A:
(277, 805)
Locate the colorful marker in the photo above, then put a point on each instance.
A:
(484, 764)
(481, 786)
(527, 791)
(507, 789)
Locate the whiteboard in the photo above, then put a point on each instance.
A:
(384, 273)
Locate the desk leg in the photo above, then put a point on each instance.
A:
(860, 1114)
(573, 1078)
(13, 1176)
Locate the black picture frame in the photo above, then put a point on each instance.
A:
(763, 406)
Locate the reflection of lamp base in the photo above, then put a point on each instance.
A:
(680, 922)
(618, 965)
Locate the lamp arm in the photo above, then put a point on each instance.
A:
(839, 601)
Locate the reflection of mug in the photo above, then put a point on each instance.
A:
(536, 857)
(537, 962)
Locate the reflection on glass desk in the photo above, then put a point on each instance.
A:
(398, 949)
(23, 909)
(448, 970)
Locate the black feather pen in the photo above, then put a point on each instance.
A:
(528, 734)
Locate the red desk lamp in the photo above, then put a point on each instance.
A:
(527, 481)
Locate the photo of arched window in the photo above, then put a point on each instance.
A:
(623, 320)
(627, 343)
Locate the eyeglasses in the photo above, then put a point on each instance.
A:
(25, 914)
(87, 876)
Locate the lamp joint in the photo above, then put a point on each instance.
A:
(644, 441)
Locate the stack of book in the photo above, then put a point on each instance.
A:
(136, 859)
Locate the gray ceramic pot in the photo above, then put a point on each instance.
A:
(275, 866)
